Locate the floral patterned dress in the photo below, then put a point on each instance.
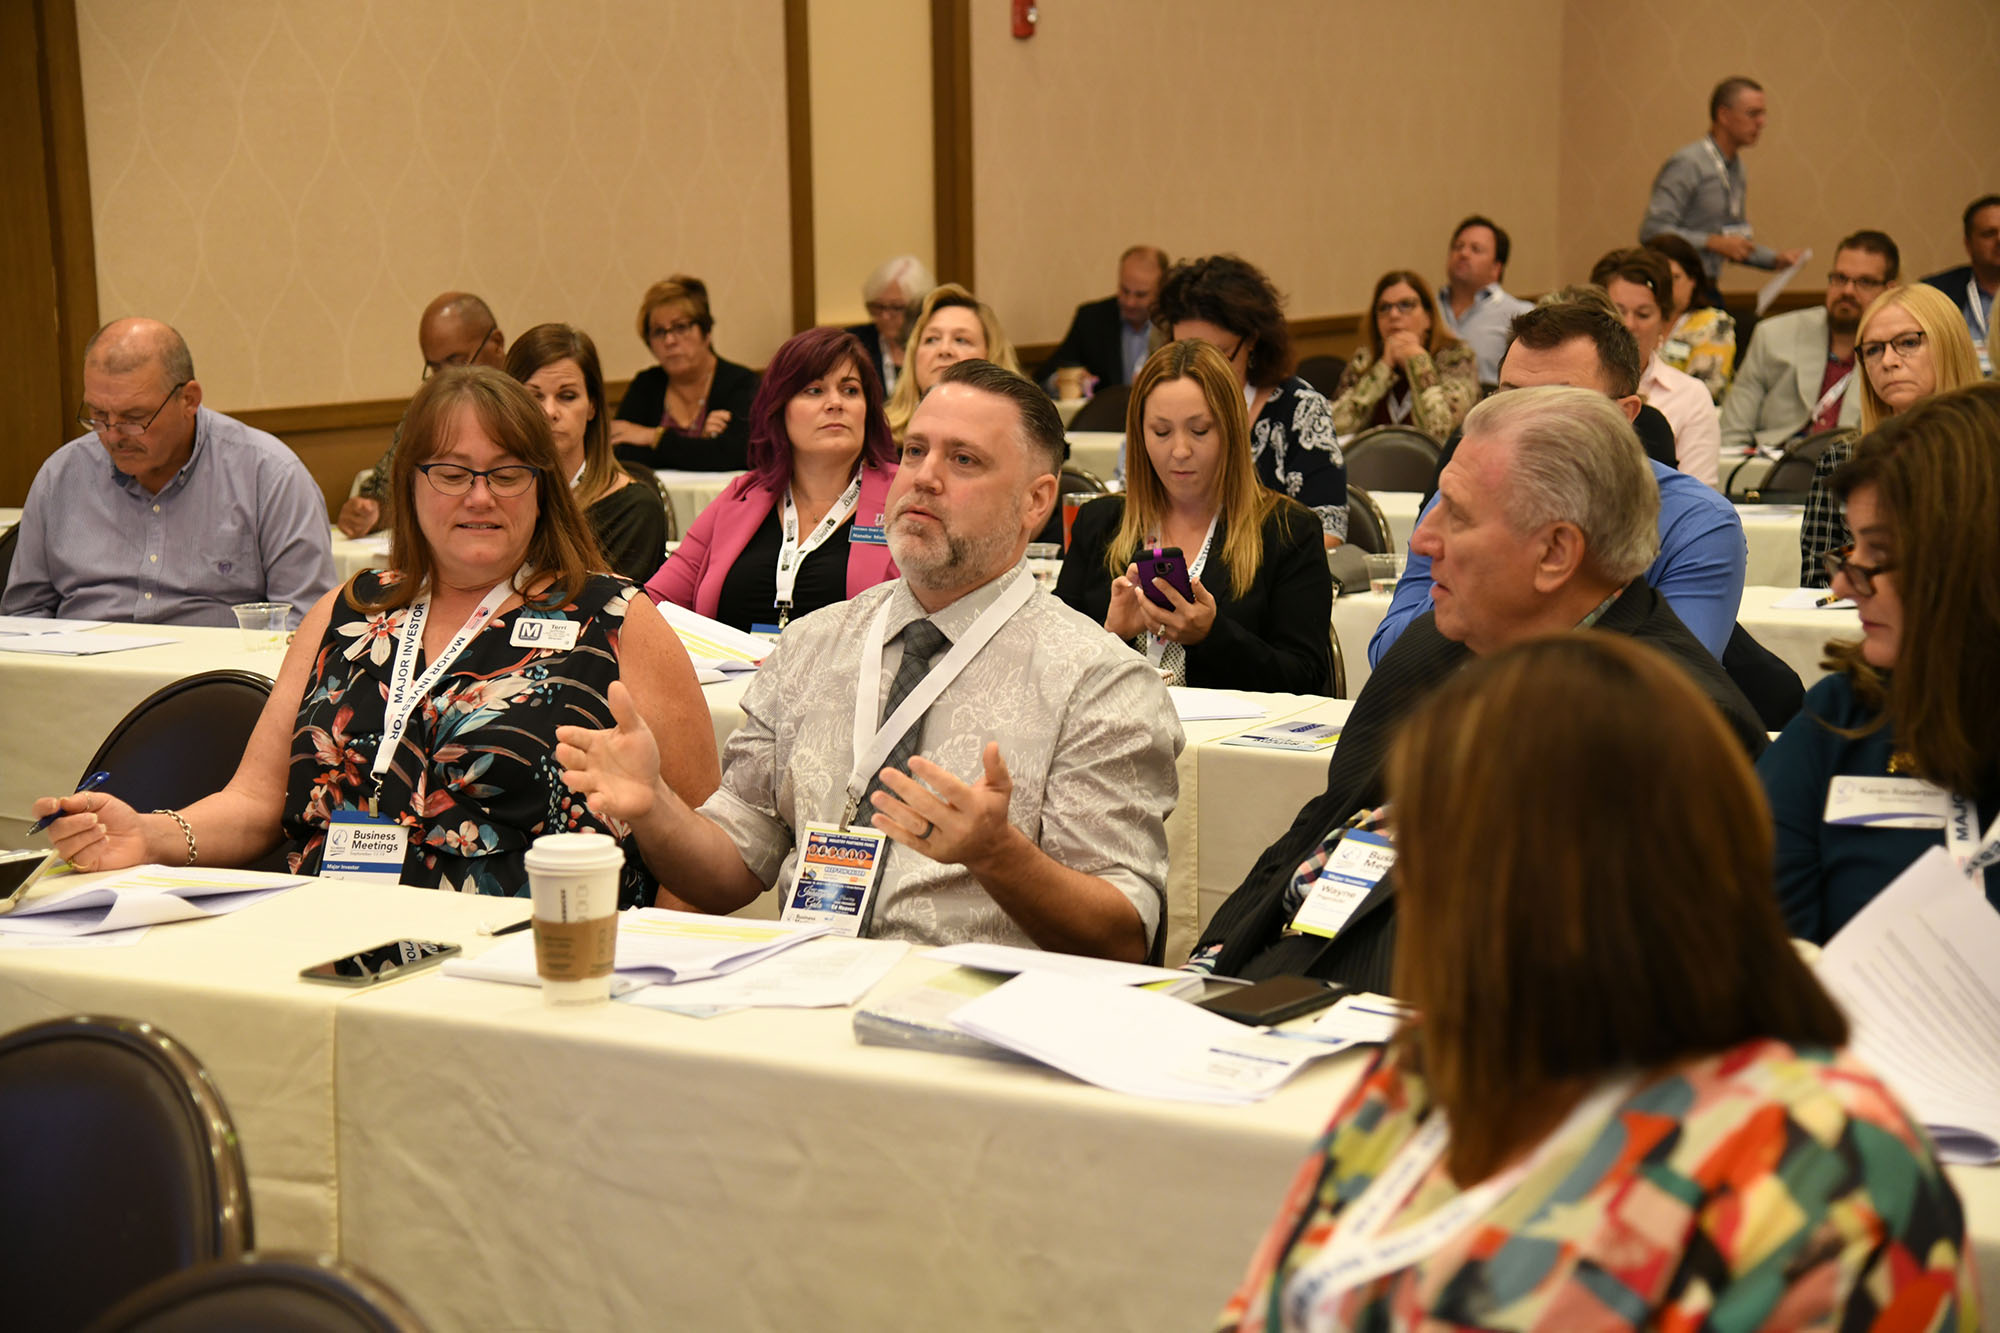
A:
(475, 775)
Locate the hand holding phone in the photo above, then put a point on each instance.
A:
(1164, 562)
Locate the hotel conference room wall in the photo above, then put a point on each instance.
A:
(288, 182)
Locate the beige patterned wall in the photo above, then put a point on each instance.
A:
(1882, 116)
(1325, 140)
(289, 181)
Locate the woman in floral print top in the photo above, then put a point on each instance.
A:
(1621, 1103)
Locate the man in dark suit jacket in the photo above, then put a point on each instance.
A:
(1972, 286)
(1548, 519)
(1112, 337)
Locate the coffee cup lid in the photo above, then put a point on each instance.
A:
(573, 851)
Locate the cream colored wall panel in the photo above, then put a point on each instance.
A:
(290, 182)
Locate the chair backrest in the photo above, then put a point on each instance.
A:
(273, 1293)
(119, 1165)
(641, 473)
(1790, 478)
(183, 741)
(1392, 458)
(1105, 411)
(1339, 663)
(8, 539)
(1323, 373)
(1367, 525)
(1073, 480)
(1766, 679)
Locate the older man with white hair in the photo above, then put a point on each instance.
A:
(890, 294)
(1548, 516)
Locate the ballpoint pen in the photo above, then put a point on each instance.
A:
(91, 783)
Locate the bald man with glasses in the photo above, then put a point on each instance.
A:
(166, 512)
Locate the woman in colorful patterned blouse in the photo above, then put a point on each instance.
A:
(1622, 1101)
(1702, 339)
(1412, 372)
(492, 610)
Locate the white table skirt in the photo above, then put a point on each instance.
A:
(1771, 532)
(1097, 451)
(691, 492)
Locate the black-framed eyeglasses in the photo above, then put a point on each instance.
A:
(505, 481)
(1860, 577)
(1906, 345)
(461, 358)
(126, 426)
(673, 332)
(1409, 305)
(877, 309)
(1839, 279)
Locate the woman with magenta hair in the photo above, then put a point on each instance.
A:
(803, 527)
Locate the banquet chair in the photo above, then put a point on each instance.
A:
(639, 472)
(1767, 681)
(1367, 525)
(1392, 458)
(271, 1293)
(1072, 480)
(1339, 663)
(120, 1165)
(1790, 478)
(1105, 411)
(8, 539)
(1323, 373)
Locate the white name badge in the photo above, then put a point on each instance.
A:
(543, 632)
(1676, 349)
(362, 848)
(838, 872)
(1887, 803)
(1357, 865)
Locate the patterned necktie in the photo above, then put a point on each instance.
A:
(922, 642)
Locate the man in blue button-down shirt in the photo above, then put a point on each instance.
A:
(166, 513)
(1701, 194)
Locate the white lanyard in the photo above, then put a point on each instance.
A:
(405, 692)
(1973, 306)
(579, 473)
(1399, 407)
(1359, 1252)
(792, 553)
(872, 744)
(1728, 186)
(1830, 397)
(1972, 852)
(1156, 646)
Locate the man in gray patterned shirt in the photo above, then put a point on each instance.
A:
(1033, 812)
(1701, 194)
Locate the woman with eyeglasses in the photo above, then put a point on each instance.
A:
(890, 294)
(418, 705)
(1621, 1101)
(1908, 724)
(691, 411)
(951, 325)
(1229, 304)
(1911, 343)
(558, 364)
(1412, 372)
(1702, 339)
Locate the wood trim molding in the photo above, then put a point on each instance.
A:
(951, 138)
(798, 152)
(72, 228)
(1319, 326)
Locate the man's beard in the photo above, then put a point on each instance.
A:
(962, 557)
(1843, 323)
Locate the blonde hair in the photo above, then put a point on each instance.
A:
(1953, 361)
(1242, 498)
(903, 402)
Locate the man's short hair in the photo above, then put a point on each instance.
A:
(1972, 209)
(168, 349)
(1502, 245)
(1583, 312)
(1152, 252)
(1577, 460)
(1876, 243)
(1728, 90)
(1041, 428)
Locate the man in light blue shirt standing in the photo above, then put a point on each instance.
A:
(1472, 301)
(1701, 194)
(166, 513)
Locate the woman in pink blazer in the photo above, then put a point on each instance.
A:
(803, 527)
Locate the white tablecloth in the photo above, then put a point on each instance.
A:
(1097, 451)
(1799, 637)
(1772, 534)
(1401, 508)
(351, 555)
(1251, 797)
(690, 492)
(8, 518)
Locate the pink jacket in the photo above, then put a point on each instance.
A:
(693, 574)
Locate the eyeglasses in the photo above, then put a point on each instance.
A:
(1839, 279)
(1860, 577)
(1906, 345)
(461, 358)
(506, 481)
(672, 332)
(128, 425)
(1409, 305)
(877, 309)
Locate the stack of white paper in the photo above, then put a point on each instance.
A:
(1134, 1041)
(1361, 1020)
(1811, 599)
(65, 644)
(142, 896)
(1308, 737)
(655, 947)
(825, 973)
(1918, 972)
(712, 646)
(47, 625)
(1198, 705)
(1010, 959)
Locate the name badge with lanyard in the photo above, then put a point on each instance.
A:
(1970, 851)
(1982, 336)
(371, 846)
(1833, 394)
(792, 552)
(1730, 193)
(1156, 646)
(1353, 868)
(1360, 1250)
(863, 852)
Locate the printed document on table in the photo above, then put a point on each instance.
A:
(1811, 599)
(65, 644)
(1199, 705)
(1013, 958)
(825, 973)
(142, 896)
(713, 645)
(46, 625)
(1304, 736)
(1134, 1041)
(654, 946)
(1918, 972)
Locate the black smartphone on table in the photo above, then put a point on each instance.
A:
(1274, 1000)
(384, 962)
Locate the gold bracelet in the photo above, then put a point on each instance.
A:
(186, 831)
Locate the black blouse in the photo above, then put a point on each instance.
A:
(749, 593)
(645, 403)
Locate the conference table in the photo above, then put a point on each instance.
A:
(8, 518)
(1097, 451)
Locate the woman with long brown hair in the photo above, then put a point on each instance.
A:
(1412, 370)
(1258, 618)
(1620, 1102)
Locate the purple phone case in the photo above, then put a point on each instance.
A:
(1164, 563)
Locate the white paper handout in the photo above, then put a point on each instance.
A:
(713, 645)
(1306, 737)
(1811, 599)
(1918, 972)
(141, 896)
(1770, 290)
(1199, 705)
(1134, 1041)
(654, 946)
(826, 973)
(1014, 958)
(66, 644)
(46, 625)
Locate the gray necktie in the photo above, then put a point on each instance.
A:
(922, 642)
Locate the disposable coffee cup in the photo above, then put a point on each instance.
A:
(573, 878)
(262, 623)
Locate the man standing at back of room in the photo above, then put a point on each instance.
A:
(1701, 193)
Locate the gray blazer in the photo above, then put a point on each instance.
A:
(1773, 394)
